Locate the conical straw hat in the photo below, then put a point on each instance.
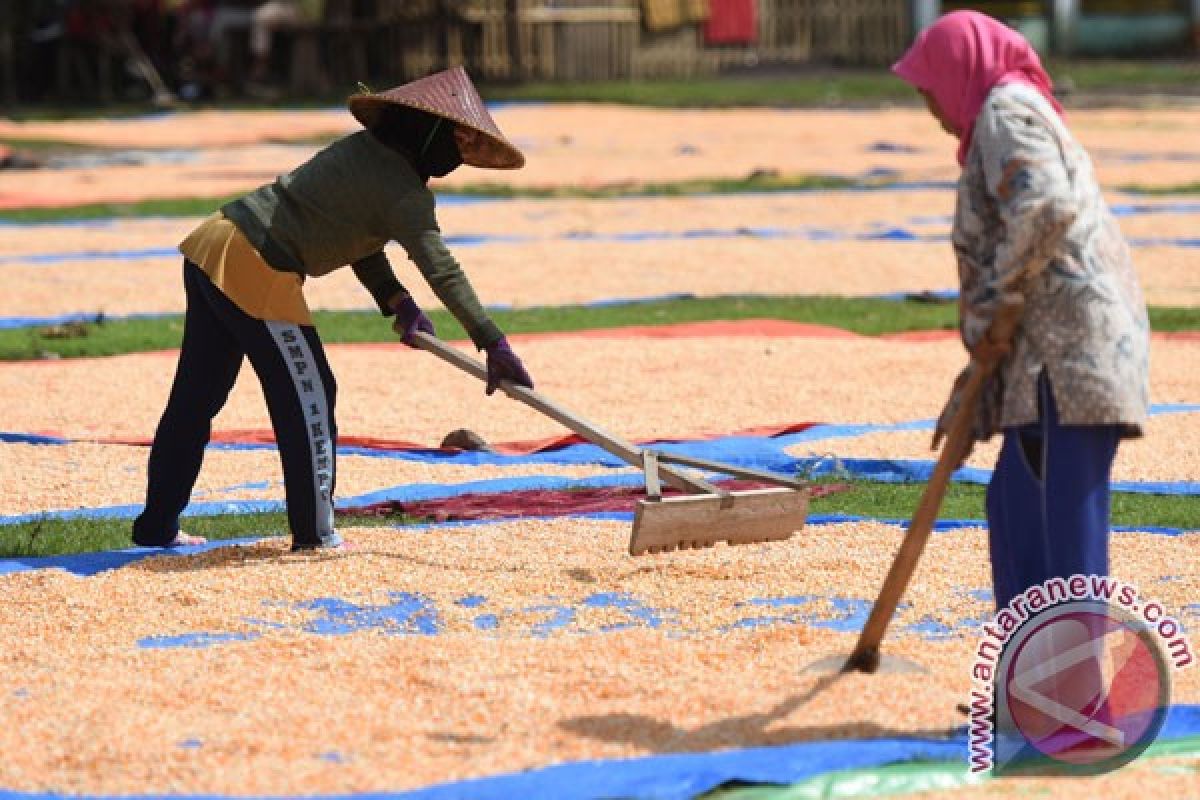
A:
(451, 95)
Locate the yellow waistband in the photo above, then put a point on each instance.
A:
(236, 268)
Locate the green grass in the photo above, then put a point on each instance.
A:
(965, 501)
(1140, 77)
(766, 181)
(203, 206)
(1162, 190)
(866, 316)
(757, 182)
(159, 207)
(49, 537)
(881, 500)
(1165, 319)
(870, 317)
(58, 111)
(818, 88)
(91, 339)
(41, 146)
(898, 500)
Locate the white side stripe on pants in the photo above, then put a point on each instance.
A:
(311, 392)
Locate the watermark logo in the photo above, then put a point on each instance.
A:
(1072, 677)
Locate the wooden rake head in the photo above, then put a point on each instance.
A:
(697, 521)
(694, 521)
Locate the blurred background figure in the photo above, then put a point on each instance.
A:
(97, 49)
(192, 42)
(136, 35)
(269, 18)
(228, 19)
(261, 21)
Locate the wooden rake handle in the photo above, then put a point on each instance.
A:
(629, 453)
(865, 656)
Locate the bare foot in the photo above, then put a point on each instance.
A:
(186, 540)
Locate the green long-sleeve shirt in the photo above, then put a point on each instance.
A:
(340, 208)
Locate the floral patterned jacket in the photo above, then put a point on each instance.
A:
(1030, 217)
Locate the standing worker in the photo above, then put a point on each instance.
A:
(244, 271)
(1031, 218)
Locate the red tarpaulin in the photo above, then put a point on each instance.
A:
(519, 448)
(543, 502)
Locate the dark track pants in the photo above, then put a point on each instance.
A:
(1048, 501)
(300, 393)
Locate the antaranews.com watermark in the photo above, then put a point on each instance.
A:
(1072, 676)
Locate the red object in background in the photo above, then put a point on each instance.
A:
(87, 22)
(731, 22)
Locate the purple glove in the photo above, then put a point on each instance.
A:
(503, 365)
(410, 319)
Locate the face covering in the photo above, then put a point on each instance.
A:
(424, 139)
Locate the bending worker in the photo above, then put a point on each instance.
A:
(244, 270)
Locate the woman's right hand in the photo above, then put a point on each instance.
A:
(504, 365)
(949, 411)
(410, 319)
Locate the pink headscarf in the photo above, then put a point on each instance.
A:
(964, 55)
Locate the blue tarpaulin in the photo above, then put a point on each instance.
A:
(85, 564)
(682, 776)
